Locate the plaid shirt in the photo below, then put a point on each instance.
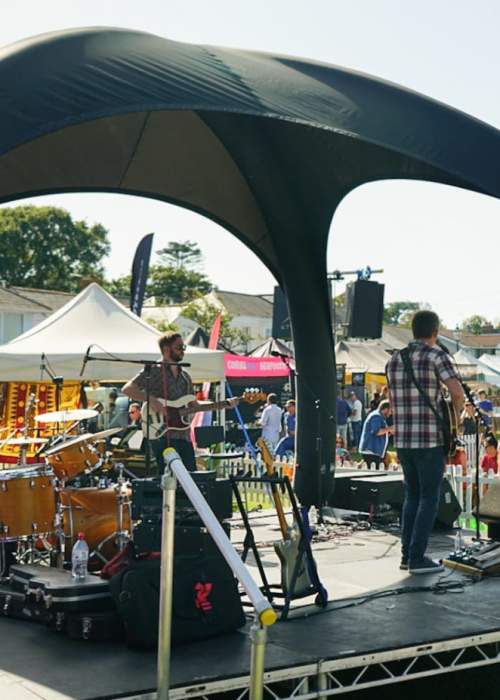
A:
(177, 387)
(415, 425)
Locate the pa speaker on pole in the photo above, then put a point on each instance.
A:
(365, 309)
(281, 317)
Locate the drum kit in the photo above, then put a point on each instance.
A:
(43, 507)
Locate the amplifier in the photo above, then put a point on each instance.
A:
(188, 541)
(368, 493)
(147, 498)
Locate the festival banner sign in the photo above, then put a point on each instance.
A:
(238, 366)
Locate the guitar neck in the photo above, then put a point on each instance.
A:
(269, 464)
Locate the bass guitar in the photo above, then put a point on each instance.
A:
(176, 414)
(288, 549)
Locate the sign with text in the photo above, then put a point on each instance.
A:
(236, 366)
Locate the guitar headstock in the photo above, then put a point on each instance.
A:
(253, 395)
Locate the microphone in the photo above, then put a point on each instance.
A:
(85, 360)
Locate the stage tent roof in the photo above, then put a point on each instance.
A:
(361, 356)
(489, 367)
(265, 145)
(94, 318)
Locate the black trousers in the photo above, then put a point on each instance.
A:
(369, 458)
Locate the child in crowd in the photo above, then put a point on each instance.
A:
(342, 454)
(491, 457)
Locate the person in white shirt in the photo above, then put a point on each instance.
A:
(270, 421)
(356, 417)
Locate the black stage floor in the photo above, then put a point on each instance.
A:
(36, 662)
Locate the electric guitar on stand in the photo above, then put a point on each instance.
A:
(288, 550)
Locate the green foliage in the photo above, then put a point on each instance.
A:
(163, 326)
(204, 314)
(474, 324)
(119, 287)
(170, 284)
(43, 247)
(399, 313)
(180, 254)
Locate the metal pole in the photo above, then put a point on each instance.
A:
(258, 638)
(168, 484)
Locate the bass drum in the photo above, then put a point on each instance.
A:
(96, 512)
(27, 502)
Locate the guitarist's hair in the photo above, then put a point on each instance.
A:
(168, 338)
(424, 323)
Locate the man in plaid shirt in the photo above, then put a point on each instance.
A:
(417, 436)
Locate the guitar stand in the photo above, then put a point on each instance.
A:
(274, 591)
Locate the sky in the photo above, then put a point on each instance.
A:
(436, 244)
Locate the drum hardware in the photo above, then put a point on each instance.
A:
(65, 416)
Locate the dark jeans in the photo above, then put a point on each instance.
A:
(356, 431)
(183, 448)
(423, 471)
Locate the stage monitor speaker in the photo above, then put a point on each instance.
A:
(281, 317)
(365, 309)
(489, 506)
(448, 510)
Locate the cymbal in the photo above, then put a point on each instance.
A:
(26, 441)
(104, 434)
(66, 416)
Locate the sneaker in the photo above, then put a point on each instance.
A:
(404, 565)
(426, 566)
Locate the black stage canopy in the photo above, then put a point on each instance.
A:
(267, 146)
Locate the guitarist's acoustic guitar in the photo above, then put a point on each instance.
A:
(288, 549)
(176, 415)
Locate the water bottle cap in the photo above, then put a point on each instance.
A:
(81, 535)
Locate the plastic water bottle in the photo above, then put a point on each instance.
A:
(459, 541)
(79, 558)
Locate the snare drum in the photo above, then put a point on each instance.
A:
(72, 457)
(27, 502)
(96, 512)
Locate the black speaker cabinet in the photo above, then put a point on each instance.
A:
(489, 506)
(281, 317)
(448, 510)
(365, 309)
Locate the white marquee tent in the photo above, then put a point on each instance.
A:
(94, 318)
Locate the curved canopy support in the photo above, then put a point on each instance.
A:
(265, 145)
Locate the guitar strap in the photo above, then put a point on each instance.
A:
(165, 395)
(405, 356)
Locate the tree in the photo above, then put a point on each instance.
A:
(180, 254)
(169, 284)
(399, 313)
(119, 287)
(43, 247)
(474, 324)
(204, 314)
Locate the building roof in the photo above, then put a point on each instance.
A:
(237, 304)
(48, 298)
(11, 302)
(472, 340)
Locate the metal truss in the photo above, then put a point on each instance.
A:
(326, 678)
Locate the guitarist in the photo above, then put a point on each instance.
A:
(418, 434)
(168, 382)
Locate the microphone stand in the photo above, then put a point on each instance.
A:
(147, 365)
(479, 418)
(58, 381)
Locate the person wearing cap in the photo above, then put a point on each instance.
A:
(375, 435)
(356, 417)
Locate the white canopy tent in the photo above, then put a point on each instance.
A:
(489, 367)
(361, 356)
(95, 319)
